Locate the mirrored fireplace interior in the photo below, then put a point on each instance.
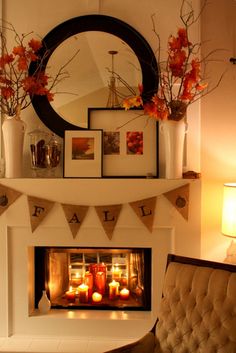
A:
(94, 278)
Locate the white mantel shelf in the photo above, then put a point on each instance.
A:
(117, 189)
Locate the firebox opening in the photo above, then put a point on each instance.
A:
(94, 278)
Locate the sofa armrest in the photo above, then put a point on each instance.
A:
(145, 344)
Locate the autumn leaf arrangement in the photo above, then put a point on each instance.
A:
(181, 81)
(17, 85)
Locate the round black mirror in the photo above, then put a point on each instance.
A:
(101, 23)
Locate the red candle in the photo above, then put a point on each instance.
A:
(124, 294)
(94, 268)
(70, 295)
(113, 290)
(83, 293)
(88, 280)
(100, 282)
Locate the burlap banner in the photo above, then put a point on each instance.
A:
(145, 210)
(179, 198)
(74, 215)
(108, 216)
(7, 197)
(38, 210)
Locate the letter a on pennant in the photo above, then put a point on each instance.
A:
(145, 210)
(38, 209)
(74, 215)
(108, 216)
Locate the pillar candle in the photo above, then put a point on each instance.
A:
(83, 293)
(76, 280)
(113, 289)
(88, 280)
(116, 273)
(124, 294)
(100, 282)
(70, 295)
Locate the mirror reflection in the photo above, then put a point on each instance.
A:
(90, 73)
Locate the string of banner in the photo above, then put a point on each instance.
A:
(108, 214)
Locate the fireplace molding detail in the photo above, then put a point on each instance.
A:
(17, 310)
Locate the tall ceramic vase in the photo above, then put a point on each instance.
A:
(13, 129)
(173, 135)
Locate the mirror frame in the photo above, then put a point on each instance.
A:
(100, 23)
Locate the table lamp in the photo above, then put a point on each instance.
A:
(229, 219)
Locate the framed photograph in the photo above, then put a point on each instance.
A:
(83, 153)
(130, 142)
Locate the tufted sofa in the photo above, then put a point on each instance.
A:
(197, 312)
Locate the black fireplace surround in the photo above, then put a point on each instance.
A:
(94, 278)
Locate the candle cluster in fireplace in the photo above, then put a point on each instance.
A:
(95, 286)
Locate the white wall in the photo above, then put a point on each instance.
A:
(218, 124)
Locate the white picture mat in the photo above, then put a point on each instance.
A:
(83, 168)
(132, 120)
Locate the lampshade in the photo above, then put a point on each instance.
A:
(229, 210)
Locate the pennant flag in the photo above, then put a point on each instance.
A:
(38, 209)
(180, 199)
(74, 216)
(108, 216)
(7, 197)
(145, 210)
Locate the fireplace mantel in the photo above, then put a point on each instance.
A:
(170, 232)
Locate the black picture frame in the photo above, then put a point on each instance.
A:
(122, 163)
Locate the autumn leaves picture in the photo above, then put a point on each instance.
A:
(133, 141)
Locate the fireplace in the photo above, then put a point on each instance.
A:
(94, 278)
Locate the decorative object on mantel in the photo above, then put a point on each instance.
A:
(44, 305)
(174, 136)
(45, 152)
(181, 84)
(229, 219)
(17, 87)
(13, 129)
(190, 174)
(107, 214)
(179, 198)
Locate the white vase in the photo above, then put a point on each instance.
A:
(44, 305)
(174, 135)
(13, 129)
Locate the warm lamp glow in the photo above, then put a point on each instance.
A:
(229, 210)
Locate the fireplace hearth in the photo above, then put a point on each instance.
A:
(94, 278)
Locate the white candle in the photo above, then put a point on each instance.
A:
(97, 297)
(124, 294)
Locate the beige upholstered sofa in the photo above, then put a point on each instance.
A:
(197, 313)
